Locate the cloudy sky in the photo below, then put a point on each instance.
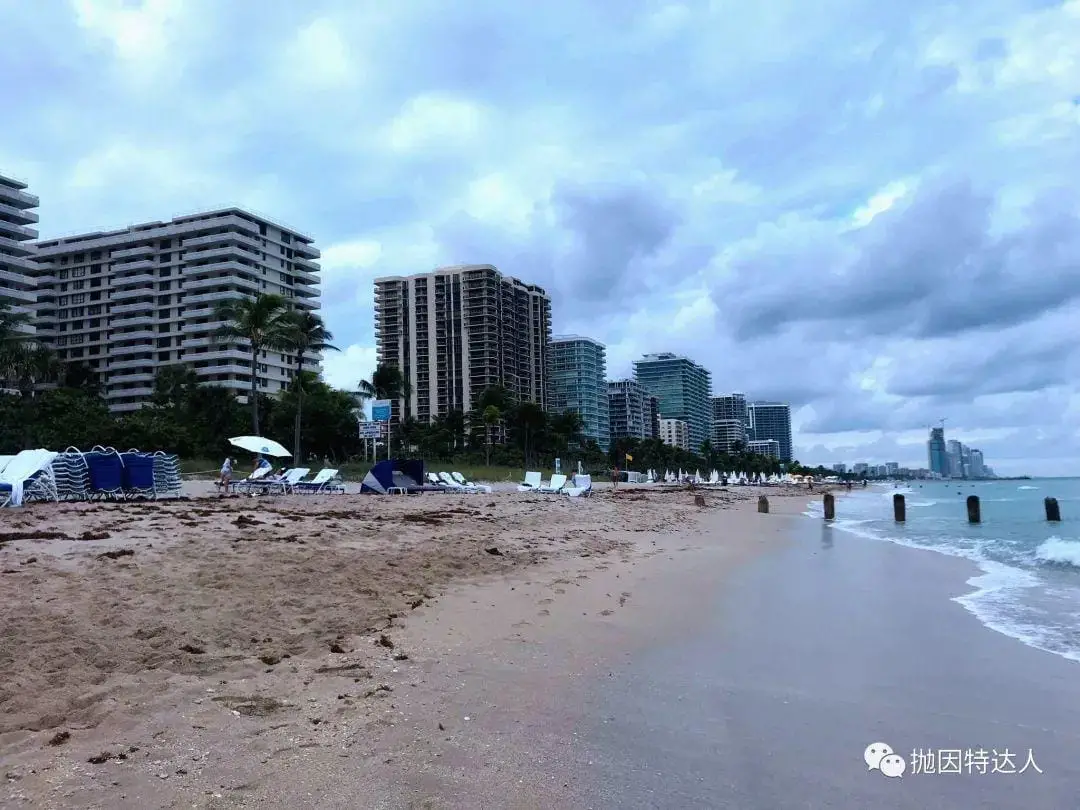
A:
(867, 209)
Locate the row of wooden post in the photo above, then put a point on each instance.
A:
(974, 509)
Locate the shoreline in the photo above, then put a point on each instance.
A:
(235, 721)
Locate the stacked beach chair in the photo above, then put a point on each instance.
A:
(103, 473)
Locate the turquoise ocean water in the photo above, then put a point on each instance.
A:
(1029, 585)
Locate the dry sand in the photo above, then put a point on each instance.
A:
(247, 652)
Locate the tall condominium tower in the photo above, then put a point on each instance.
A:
(457, 330)
(128, 302)
(682, 388)
(938, 455)
(772, 420)
(633, 412)
(579, 384)
(730, 422)
(16, 249)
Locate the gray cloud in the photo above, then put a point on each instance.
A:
(933, 269)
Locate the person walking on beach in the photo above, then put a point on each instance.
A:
(226, 476)
(615, 477)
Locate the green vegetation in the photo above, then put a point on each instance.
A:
(50, 404)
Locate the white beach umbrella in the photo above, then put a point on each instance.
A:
(257, 444)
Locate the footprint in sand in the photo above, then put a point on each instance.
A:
(545, 601)
(544, 613)
(560, 590)
(623, 597)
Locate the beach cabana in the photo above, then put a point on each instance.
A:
(396, 476)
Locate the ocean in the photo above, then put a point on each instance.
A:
(1029, 585)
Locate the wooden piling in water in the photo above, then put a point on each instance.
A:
(974, 511)
(899, 508)
(699, 500)
(829, 503)
(763, 505)
(1053, 510)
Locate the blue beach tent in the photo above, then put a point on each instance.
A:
(407, 474)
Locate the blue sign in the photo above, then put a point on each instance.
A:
(380, 410)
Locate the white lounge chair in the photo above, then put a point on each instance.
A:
(453, 486)
(327, 480)
(256, 475)
(459, 478)
(281, 485)
(28, 476)
(533, 482)
(435, 480)
(581, 487)
(558, 481)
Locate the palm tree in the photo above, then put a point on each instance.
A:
(386, 383)
(28, 364)
(10, 322)
(307, 334)
(492, 415)
(264, 323)
(12, 338)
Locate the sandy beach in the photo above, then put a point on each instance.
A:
(345, 651)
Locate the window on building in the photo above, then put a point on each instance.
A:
(63, 274)
(79, 298)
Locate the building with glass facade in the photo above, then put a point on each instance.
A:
(772, 420)
(578, 382)
(938, 455)
(682, 389)
(730, 423)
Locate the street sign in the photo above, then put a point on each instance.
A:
(371, 430)
(380, 410)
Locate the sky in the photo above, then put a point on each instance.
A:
(868, 210)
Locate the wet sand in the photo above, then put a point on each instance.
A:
(813, 652)
(291, 652)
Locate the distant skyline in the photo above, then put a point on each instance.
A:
(859, 211)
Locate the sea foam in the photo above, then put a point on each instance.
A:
(1059, 552)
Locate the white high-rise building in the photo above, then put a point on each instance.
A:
(17, 215)
(675, 433)
(131, 301)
